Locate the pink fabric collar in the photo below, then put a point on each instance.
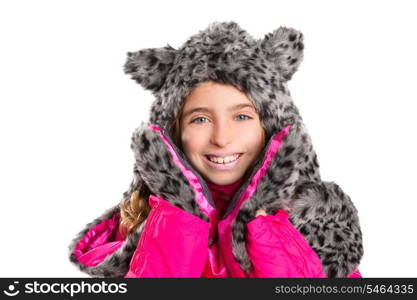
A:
(226, 190)
(222, 194)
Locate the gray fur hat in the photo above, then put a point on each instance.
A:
(223, 53)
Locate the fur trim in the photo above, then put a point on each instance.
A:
(162, 176)
(115, 265)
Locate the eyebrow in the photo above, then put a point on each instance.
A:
(204, 109)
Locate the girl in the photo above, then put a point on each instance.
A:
(226, 182)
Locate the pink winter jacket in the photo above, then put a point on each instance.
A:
(175, 243)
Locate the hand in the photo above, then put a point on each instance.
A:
(260, 212)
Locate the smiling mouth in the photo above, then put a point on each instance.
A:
(224, 160)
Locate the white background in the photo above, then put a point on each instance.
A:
(67, 112)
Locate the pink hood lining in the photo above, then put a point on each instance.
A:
(95, 245)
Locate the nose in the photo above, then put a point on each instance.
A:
(222, 134)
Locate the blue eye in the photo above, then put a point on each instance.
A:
(199, 118)
(245, 117)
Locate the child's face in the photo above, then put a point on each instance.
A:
(220, 121)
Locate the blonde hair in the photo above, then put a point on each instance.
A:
(134, 209)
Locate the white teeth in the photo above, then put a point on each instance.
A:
(223, 160)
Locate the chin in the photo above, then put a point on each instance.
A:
(223, 180)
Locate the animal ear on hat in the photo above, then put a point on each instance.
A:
(149, 67)
(284, 48)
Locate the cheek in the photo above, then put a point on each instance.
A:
(254, 138)
(193, 141)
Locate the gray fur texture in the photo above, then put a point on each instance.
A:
(329, 221)
(225, 53)
(159, 172)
